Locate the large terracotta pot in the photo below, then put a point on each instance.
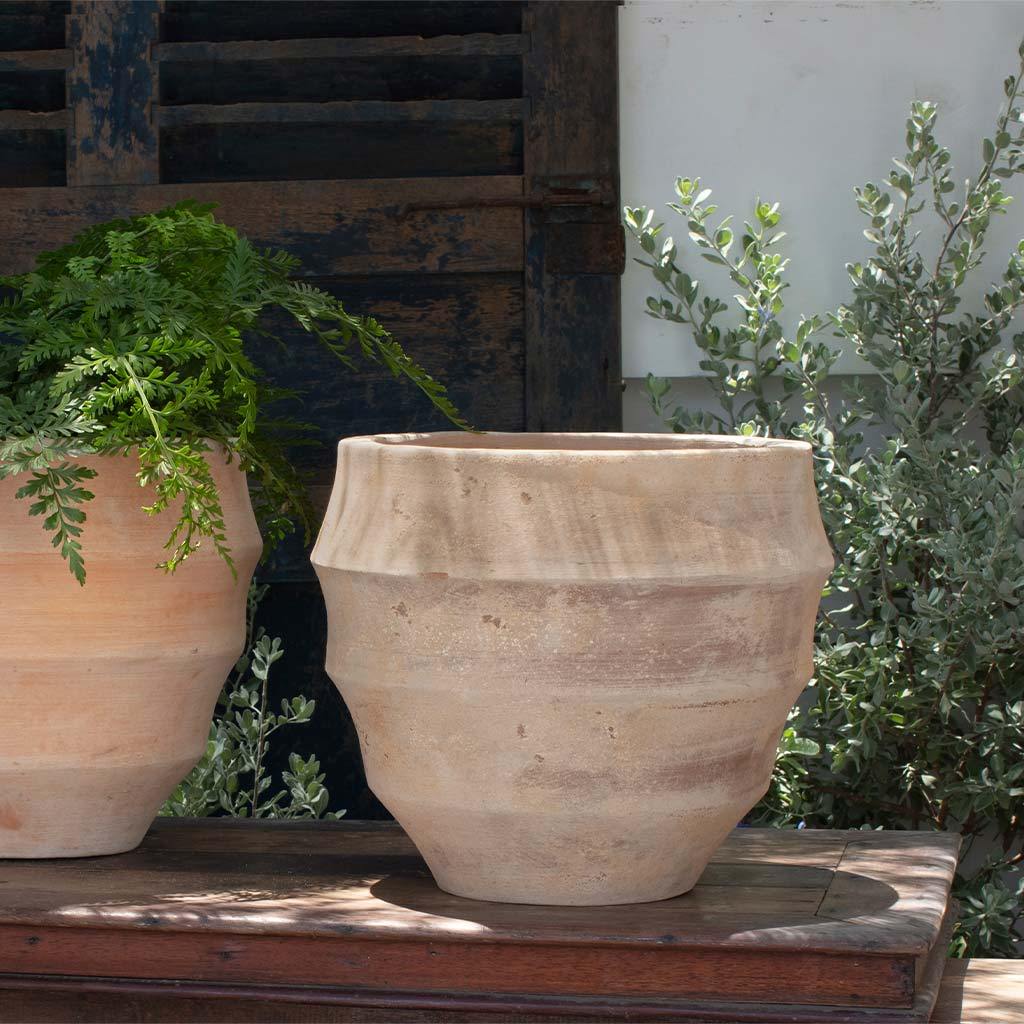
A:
(569, 657)
(107, 690)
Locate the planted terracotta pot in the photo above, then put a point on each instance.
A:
(569, 657)
(107, 690)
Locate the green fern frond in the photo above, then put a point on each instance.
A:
(134, 337)
(57, 494)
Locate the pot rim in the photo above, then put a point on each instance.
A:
(545, 444)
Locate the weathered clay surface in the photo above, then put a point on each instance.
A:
(107, 690)
(569, 658)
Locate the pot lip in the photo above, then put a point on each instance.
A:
(553, 444)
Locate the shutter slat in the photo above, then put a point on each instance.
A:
(35, 60)
(187, 20)
(335, 227)
(33, 120)
(358, 111)
(477, 44)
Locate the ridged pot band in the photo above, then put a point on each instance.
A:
(108, 689)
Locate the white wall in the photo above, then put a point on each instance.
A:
(796, 102)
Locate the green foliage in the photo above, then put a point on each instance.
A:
(134, 337)
(232, 778)
(915, 718)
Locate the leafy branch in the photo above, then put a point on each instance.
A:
(233, 778)
(915, 718)
(134, 337)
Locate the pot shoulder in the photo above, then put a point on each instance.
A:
(118, 530)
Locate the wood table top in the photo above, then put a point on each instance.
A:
(800, 916)
(813, 889)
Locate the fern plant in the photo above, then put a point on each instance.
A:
(133, 338)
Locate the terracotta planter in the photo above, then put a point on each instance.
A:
(569, 657)
(108, 689)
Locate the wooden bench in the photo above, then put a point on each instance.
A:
(248, 921)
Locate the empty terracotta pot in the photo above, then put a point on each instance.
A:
(108, 689)
(569, 657)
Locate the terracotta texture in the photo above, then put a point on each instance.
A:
(569, 658)
(107, 690)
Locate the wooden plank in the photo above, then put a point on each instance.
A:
(453, 965)
(220, 20)
(972, 992)
(364, 111)
(818, 848)
(395, 79)
(35, 999)
(764, 857)
(981, 992)
(80, 890)
(913, 865)
(572, 319)
(33, 25)
(32, 89)
(33, 120)
(768, 876)
(475, 44)
(258, 152)
(334, 227)
(584, 248)
(35, 60)
(111, 89)
(30, 158)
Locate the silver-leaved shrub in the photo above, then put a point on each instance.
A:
(233, 777)
(916, 717)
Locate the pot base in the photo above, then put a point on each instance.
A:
(623, 857)
(87, 812)
(493, 893)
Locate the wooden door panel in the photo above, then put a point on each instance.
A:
(32, 26)
(286, 19)
(449, 167)
(269, 151)
(30, 156)
(335, 227)
(316, 73)
(464, 328)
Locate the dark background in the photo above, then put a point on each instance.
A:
(451, 168)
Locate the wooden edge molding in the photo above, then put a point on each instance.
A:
(458, 1003)
(503, 969)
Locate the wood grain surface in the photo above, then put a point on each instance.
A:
(981, 992)
(972, 992)
(112, 86)
(346, 913)
(334, 227)
(570, 138)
